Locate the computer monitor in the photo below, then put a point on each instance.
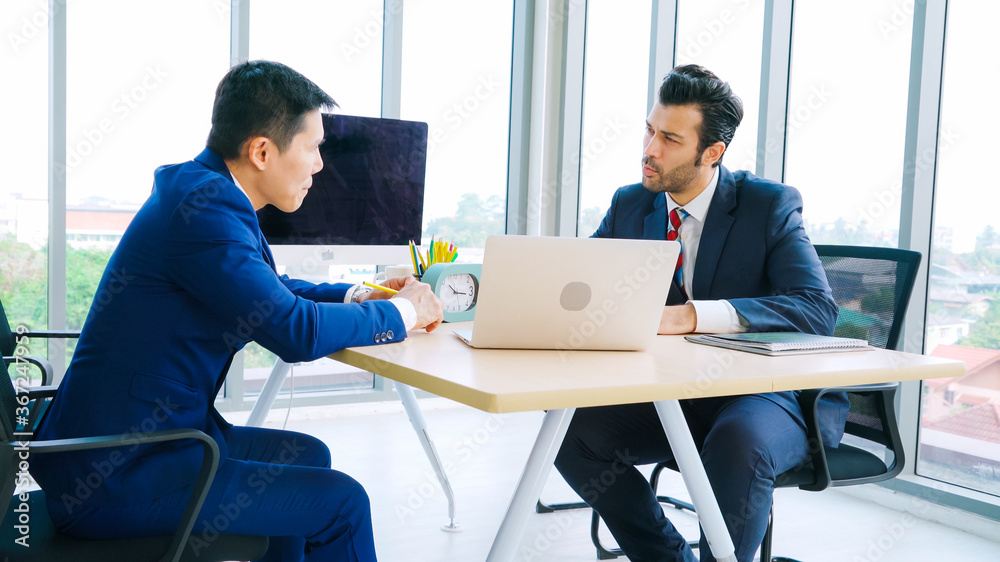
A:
(367, 202)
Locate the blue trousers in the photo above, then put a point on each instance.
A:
(745, 442)
(275, 483)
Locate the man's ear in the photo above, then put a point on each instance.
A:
(713, 153)
(259, 148)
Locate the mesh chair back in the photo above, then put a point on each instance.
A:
(872, 288)
(7, 342)
(865, 418)
(8, 403)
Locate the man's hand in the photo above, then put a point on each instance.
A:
(678, 319)
(395, 283)
(430, 311)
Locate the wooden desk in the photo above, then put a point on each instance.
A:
(501, 381)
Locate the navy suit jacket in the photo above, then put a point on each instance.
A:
(191, 282)
(754, 253)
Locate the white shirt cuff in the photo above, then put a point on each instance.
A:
(717, 317)
(407, 311)
(405, 308)
(350, 294)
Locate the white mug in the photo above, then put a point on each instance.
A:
(394, 271)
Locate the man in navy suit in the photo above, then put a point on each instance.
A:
(747, 266)
(191, 282)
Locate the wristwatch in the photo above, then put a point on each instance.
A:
(358, 291)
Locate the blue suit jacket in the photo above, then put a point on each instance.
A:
(753, 252)
(191, 282)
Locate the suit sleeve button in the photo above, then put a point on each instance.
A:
(389, 334)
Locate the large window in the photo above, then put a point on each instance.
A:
(24, 206)
(847, 118)
(337, 45)
(456, 77)
(137, 97)
(616, 75)
(726, 37)
(960, 418)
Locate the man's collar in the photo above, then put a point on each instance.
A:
(698, 207)
(211, 159)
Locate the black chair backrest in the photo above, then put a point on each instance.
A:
(7, 341)
(8, 404)
(872, 288)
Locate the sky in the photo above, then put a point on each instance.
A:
(142, 78)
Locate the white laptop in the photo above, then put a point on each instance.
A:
(540, 292)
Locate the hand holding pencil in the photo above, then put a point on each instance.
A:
(428, 307)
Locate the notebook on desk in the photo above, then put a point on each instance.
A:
(780, 343)
(540, 292)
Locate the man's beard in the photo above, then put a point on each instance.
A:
(677, 180)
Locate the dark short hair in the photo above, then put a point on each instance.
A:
(262, 99)
(721, 109)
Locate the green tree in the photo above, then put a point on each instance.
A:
(22, 283)
(473, 222)
(84, 269)
(986, 332)
(590, 219)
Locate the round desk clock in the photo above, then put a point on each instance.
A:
(457, 285)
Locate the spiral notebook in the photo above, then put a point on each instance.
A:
(781, 343)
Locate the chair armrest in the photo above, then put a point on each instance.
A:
(43, 365)
(55, 334)
(209, 464)
(37, 392)
(809, 400)
(37, 396)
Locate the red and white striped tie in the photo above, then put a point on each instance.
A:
(677, 216)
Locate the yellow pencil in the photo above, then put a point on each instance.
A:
(380, 287)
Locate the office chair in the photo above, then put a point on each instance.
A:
(45, 543)
(872, 289)
(9, 340)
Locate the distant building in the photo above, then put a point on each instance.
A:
(944, 238)
(961, 415)
(93, 223)
(97, 226)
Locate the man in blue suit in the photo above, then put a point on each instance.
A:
(191, 282)
(747, 265)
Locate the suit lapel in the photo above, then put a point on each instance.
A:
(654, 226)
(714, 234)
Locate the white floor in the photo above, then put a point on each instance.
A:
(484, 455)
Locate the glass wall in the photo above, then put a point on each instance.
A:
(24, 205)
(137, 98)
(615, 82)
(847, 118)
(456, 77)
(960, 418)
(337, 45)
(726, 37)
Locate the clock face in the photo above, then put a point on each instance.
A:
(458, 292)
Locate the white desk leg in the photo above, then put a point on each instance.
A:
(267, 394)
(522, 504)
(409, 401)
(695, 479)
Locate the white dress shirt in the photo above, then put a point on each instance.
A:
(405, 307)
(713, 316)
